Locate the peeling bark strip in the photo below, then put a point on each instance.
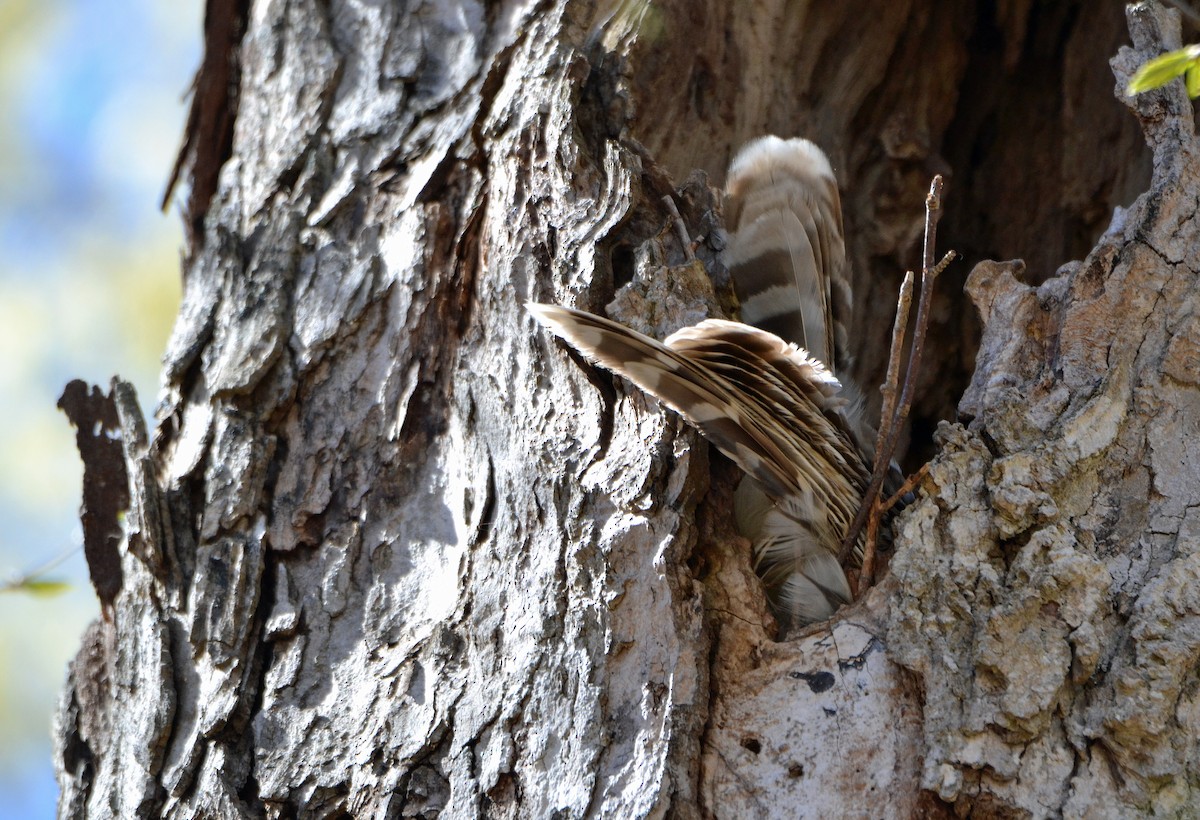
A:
(208, 137)
(105, 483)
(392, 553)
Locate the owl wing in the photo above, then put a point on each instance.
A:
(771, 408)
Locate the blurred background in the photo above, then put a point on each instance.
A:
(92, 107)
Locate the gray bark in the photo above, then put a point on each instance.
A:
(1048, 586)
(392, 552)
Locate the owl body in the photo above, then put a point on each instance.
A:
(787, 258)
(761, 390)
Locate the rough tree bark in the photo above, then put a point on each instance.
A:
(392, 552)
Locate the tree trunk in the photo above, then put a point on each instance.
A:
(391, 551)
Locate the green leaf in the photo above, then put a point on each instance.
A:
(1164, 68)
(1193, 81)
(42, 588)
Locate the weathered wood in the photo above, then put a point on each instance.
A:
(1048, 591)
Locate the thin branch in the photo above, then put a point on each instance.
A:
(867, 574)
(890, 391)
(896, 413)
(879, 509)
(899, 330)
(36, 575)
(907, 487)
(928, 276)
(681, 229)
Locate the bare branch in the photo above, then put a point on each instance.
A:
(680, 228)
(895, 413)
(907, 487)
(890, 391)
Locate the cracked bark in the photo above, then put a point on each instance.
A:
(391, 552)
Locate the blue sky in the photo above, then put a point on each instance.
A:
(92, 95)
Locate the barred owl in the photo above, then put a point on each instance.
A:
(762, 390)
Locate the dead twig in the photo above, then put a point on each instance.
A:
(866, 574)
(689, 250)
(890, 394)
(907, 487)
(897, 401)
(899, 330)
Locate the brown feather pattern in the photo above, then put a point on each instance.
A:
(771, 408)
(786, 252)
(761, 392)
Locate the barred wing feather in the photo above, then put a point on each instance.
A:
(771, 408)
(786, 252)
